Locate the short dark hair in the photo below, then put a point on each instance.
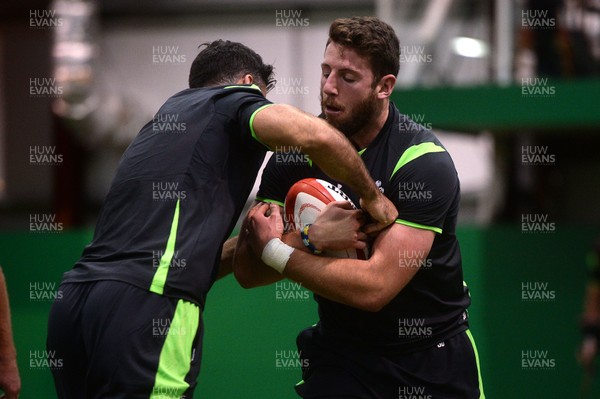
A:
(224, 62)
(372, 38)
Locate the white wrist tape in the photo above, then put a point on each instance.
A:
(276, 254)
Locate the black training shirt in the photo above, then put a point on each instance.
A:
(413, 169)
(177, 193)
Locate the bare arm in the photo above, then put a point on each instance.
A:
(248, 269)
(9, 373)
(336, 228)
(398, 253)
(284, 125)
(227, 253)
(591, 312)
(591, 319)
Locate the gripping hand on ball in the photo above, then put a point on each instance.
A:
(264, 223)
(382, 211)
(338, 227)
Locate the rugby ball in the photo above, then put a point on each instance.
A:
(304, 202)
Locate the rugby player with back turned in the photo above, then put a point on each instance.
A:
(103, 328)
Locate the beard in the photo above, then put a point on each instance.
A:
(358, 117)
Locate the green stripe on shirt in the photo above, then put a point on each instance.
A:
(415, 152)
(419, 226)
(252, 86)
(270, 201)
(252, 124)
(160, 277)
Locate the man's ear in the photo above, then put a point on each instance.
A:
(247, 79)
(386, 86)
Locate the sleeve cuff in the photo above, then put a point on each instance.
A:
(419, 226)
(270, 201)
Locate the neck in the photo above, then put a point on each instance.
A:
(365, 136)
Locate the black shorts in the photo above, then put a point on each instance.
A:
(109, 339)
(447, 370)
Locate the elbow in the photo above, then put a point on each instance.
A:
(244, 283)
(247, 285)
(242, 275)
(243, 279)
(373, 305)
(375, 300)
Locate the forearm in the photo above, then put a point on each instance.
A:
(339, 159)
(7, 347)
(282, 125)
(227, 253)
(353, 282)
(590, 319)
(248, 269)
(347, 281)
(367, 285)
(591, 311)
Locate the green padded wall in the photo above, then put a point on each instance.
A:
(250, 334)
(505, 109)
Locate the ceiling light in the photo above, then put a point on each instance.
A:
(469, 47)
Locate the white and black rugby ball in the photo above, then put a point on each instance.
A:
(304, 202)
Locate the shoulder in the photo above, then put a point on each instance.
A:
(404, 132)
(228, 94)
(237, 92)
(289, 166)
(413, 145)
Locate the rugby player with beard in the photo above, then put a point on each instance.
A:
(395, 325)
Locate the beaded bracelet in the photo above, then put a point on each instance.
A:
(306, 241)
